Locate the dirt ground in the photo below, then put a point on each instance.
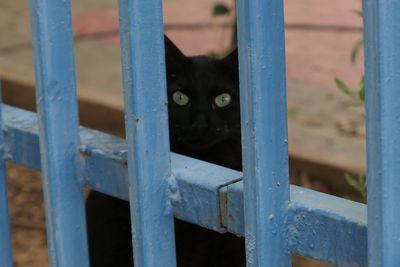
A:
(27, 217)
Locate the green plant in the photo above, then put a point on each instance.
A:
(357, 183)
(358, 96)
(359, 44)
(220, 9)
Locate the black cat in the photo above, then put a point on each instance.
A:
(204, 121)
(204, 108)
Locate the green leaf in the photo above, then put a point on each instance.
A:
(221, 9)
(361, 91)
(343, 87)
(359, 184)
(362, 180)
(352, 181)
(356, 50)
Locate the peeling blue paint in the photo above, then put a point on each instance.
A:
(320, 226)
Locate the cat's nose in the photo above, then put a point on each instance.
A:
(200, 122)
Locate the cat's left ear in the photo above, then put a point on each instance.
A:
(175, 59)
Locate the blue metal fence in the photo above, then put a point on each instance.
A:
(59, 142)
(5, 233)
(264, 129)
(149, 170)
(382, 65)
(275, 217)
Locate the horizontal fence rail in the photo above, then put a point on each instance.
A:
(320, 226)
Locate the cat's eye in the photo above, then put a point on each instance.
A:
(180, 98)
(222, 100)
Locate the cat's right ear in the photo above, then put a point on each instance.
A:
(174, 58)
(230, 63)
(231, 59)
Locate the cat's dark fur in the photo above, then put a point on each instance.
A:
(200, 129)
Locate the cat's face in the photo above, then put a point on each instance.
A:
(203, 97)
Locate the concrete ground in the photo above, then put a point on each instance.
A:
(314, 54)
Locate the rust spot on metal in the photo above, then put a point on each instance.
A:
(223, 206)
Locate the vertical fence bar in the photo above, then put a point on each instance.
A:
(5, 229)
(264, 126)
(382, 74)
(58, 125)
(142, 45)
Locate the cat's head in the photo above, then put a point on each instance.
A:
(203, 97)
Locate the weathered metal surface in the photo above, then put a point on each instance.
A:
(382, 76)
(319, 226)
(103, 160)
(152, 189)
(5, 229)
(275, 218)
(59, 135)
(328, 228)
(199, 183)
(264, 131)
